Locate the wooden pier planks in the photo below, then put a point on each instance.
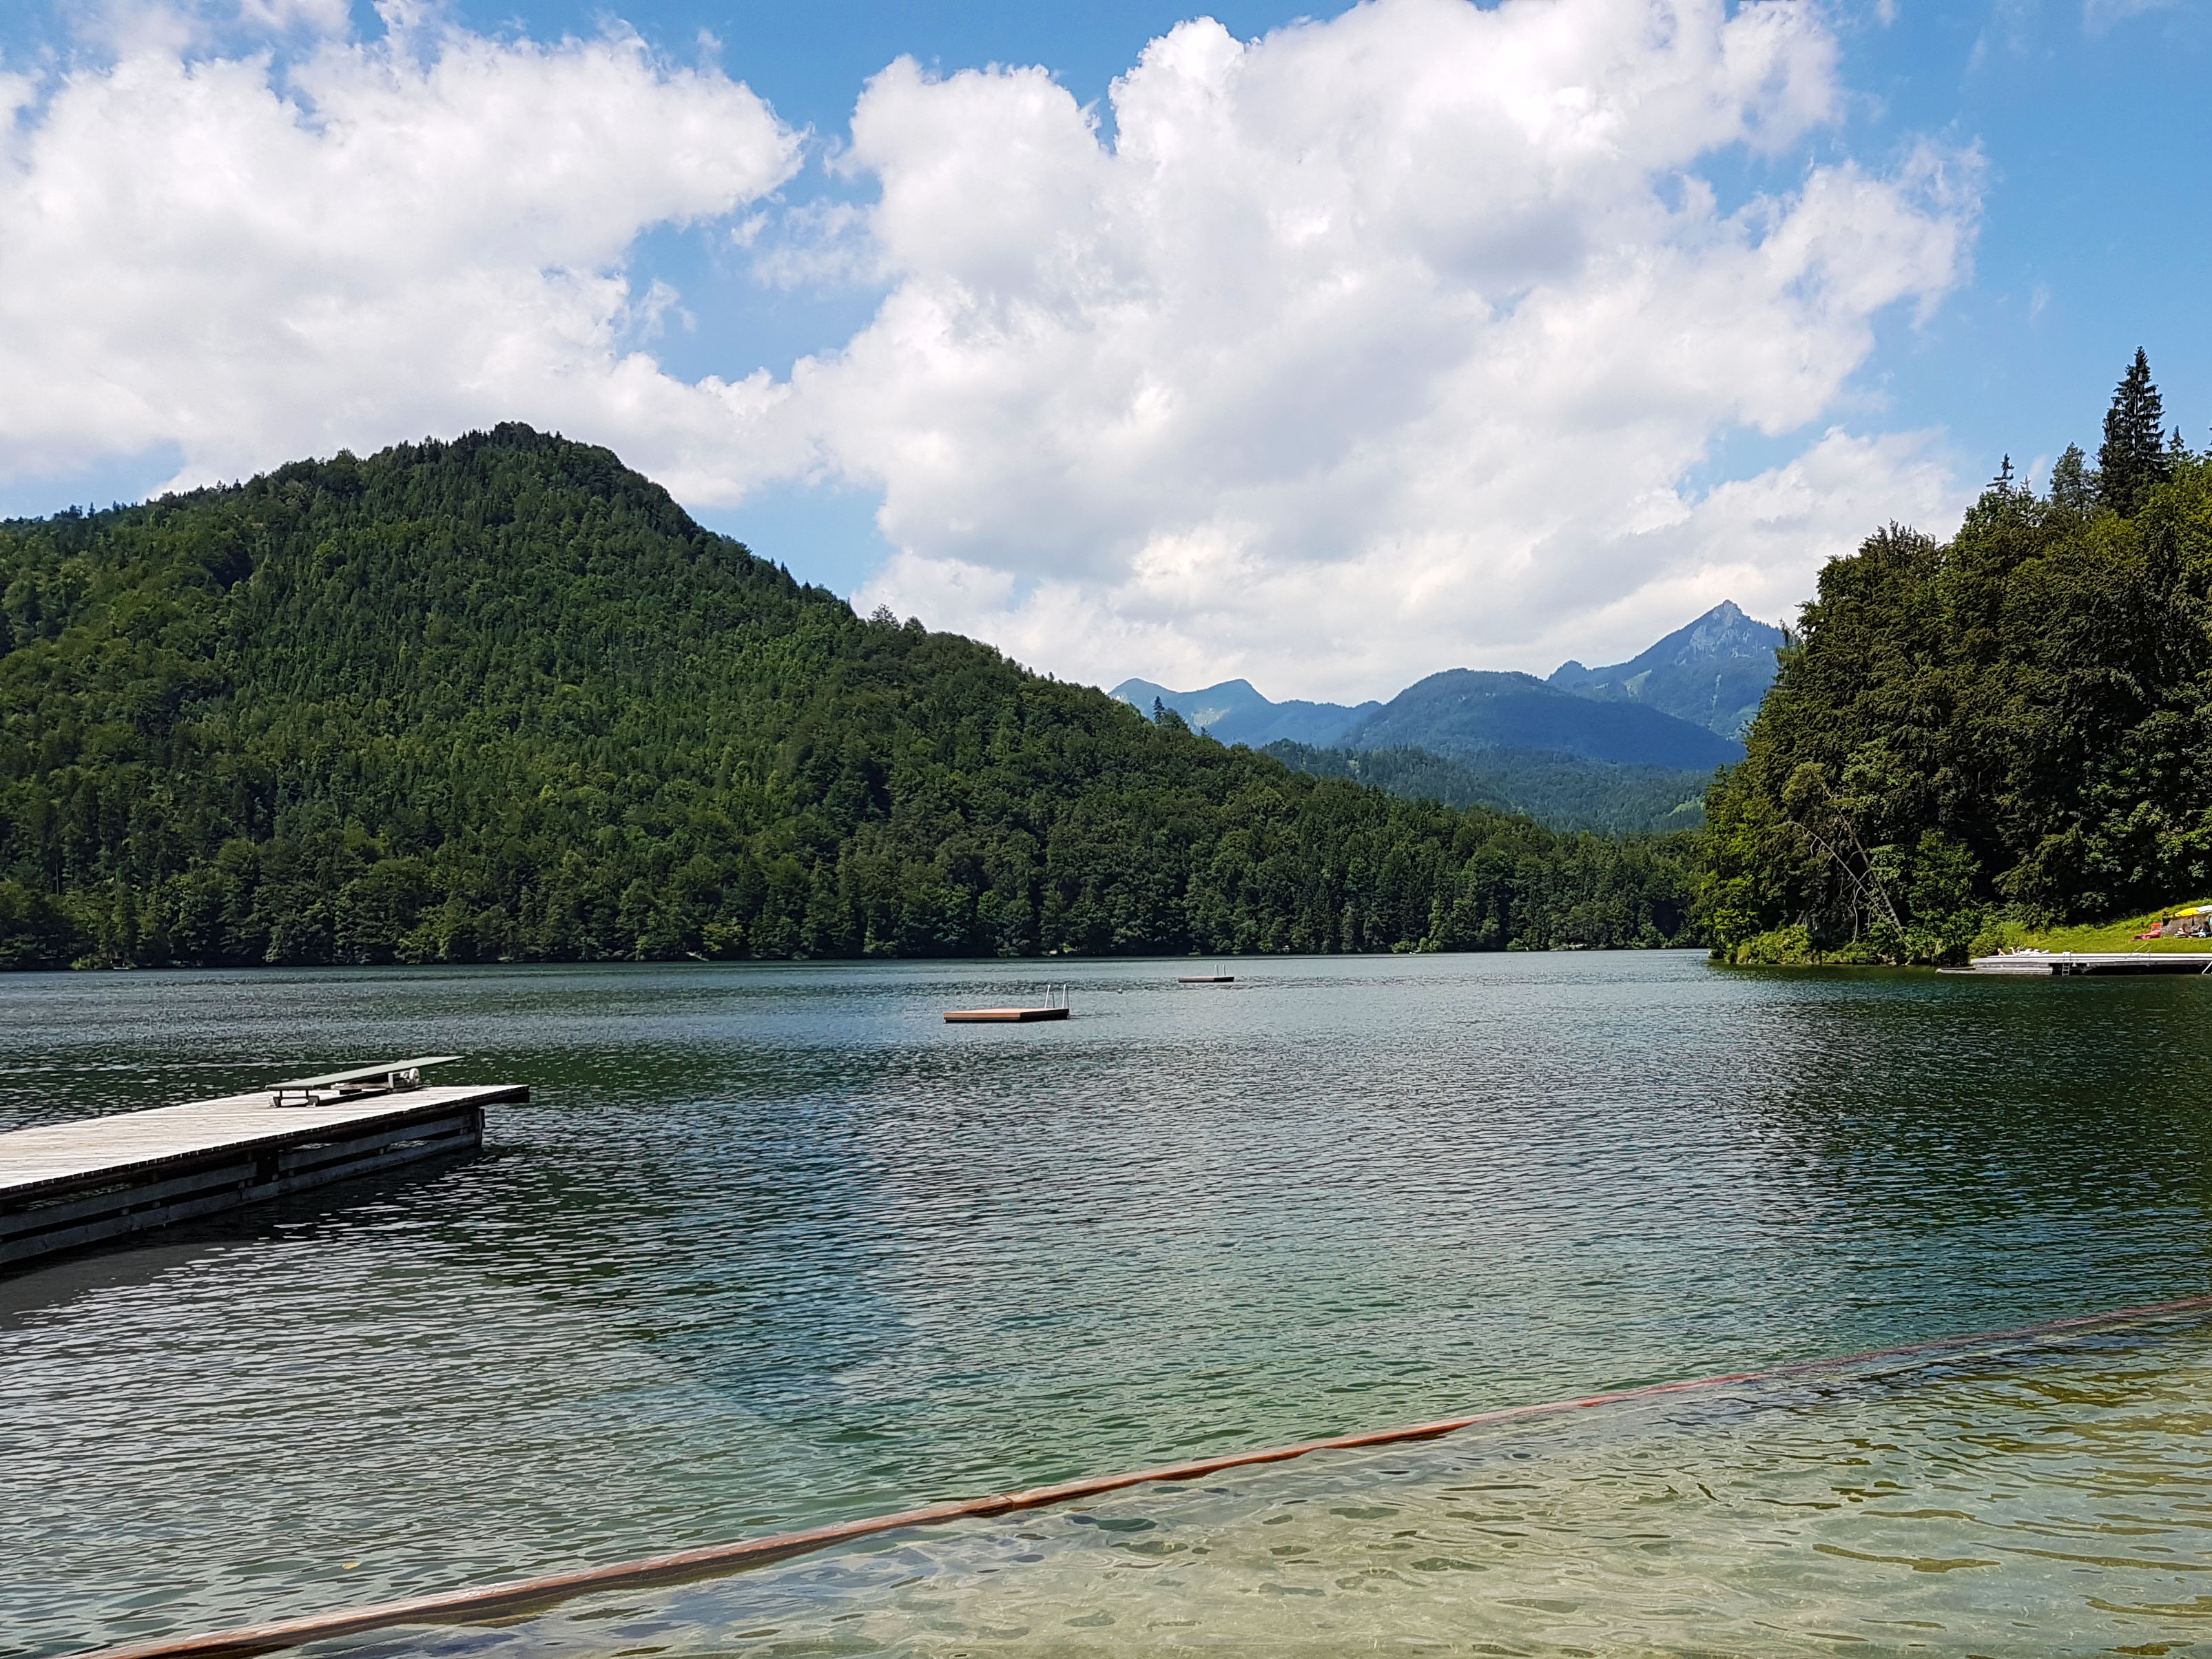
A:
(2070, 963)
(63, 1185)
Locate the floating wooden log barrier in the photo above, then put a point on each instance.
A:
(520, 1597)
(64, 1185)
(1051, 1010)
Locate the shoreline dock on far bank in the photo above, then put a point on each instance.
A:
(2070, 963)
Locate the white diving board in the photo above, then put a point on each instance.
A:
(393, 1075)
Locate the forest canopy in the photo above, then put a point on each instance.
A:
(1567, 791)
(501, 699)
(2013, 726)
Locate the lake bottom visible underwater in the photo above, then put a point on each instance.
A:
(2037, 1498)
(773, 1247)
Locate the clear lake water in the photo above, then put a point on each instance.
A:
(774, 1245)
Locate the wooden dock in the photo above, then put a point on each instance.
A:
(64, 1185)
(2067, 963)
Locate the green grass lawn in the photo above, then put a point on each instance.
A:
(2108, 935)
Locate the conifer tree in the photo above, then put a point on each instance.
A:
(2133, 457)
(2072, 485)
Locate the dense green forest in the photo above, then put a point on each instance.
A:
(501, 699)
(2010, 728)
(1567, 792)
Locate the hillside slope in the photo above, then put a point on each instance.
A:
(1464, 711)
(1564, 791)
(501, 699)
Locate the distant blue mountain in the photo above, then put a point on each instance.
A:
(1713, 672)
(1233, 711)
(1683, 705)
(1463, 712)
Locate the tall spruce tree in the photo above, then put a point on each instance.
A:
(2133, 460)
(2072, 483)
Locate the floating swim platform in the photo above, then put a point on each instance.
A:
(1205, 979)
(1055, 1008)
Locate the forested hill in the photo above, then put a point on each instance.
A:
(2012, 726)
(501, 699)
(1565, 791)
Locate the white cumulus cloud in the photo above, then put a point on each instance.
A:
(1397, 341)
(248, 262)
(1378, 345)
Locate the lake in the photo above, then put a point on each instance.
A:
(774, 1245)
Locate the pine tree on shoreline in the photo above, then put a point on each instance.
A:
(2134, 458)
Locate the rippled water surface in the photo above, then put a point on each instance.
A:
(772, 1246)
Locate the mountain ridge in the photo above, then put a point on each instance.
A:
(1464, 711)
(1235, 712)
(1712, 671)
(1708, 675)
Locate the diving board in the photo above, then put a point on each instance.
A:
(391, 1075)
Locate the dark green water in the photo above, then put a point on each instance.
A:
(775, 1245)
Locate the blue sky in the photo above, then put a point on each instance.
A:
(2071, 143)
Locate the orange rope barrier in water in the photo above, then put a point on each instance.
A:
(524, 1595)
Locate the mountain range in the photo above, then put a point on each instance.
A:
(1673, 713)
(1465, 711)
(1234, 712)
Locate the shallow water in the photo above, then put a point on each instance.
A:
(2028, 1500)
(774, 1245)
